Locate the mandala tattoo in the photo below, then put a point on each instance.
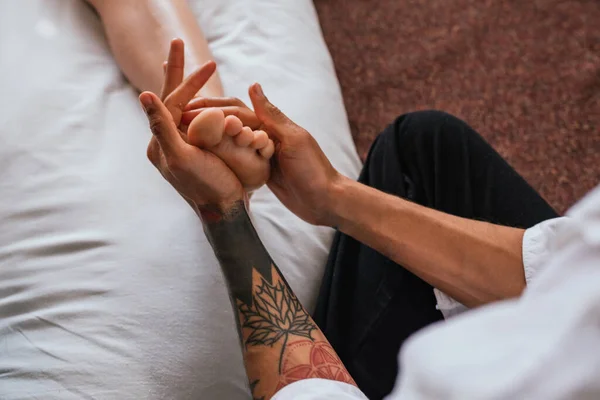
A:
(320, 361)
(274, 315)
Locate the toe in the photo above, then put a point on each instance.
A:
(268, 150)
(244, 138)
(233, 125)
(261, 139)
(206, 130)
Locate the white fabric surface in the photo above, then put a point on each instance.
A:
(319, 389)
(108, 288)
(544, 345)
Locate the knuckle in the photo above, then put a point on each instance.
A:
(301, 132)
(304, 137)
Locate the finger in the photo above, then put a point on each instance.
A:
(246, 115)
(208, 102)
(274, 120)
(165, 67)
(161, 124)
(182, 94)
(174, 67)
(188, 116)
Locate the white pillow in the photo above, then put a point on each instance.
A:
(108, 287)
(280, 45)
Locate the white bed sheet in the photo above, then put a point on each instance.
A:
(108, 287)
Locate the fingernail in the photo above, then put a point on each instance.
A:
(146, 100)
(258, 90)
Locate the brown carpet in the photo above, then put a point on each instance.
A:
(524, 73)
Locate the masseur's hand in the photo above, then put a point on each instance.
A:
(199, 176)
(301, 176)
(229, 106)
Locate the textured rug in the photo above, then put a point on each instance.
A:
(525, 74)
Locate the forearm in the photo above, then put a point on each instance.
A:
(280, 341)
(139, 33)
(475, 262)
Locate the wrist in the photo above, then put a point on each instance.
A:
(340, 191)
(215, 212)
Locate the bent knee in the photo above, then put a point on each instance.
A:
(421, 129)
(426, 124)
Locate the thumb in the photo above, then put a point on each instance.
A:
(276, 123)
(161, 123)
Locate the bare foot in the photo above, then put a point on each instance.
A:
(245, 151)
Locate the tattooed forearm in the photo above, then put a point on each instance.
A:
(280, 341)
(238, 249)
(274, 315)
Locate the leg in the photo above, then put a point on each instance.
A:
(368, 305)
(139, 33)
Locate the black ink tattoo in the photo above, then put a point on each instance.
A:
(239, 250)
(274, 315)
(267, 311)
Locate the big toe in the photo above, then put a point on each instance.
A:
(206, 130)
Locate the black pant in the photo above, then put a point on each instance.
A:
(368, 305)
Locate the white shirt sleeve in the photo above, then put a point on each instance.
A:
(536, 245)
(541, 346)
(319, 389)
